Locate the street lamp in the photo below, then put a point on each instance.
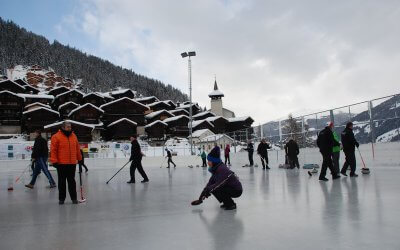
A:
(190, 54)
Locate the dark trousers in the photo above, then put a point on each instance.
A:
(66, 173)
(137, 165)
(264, 158)
(225, 194)
(82, 164)
(294, 161)
(227, 159)
(251, 158)
(169, 161)
(335, 161)
(41, 165)
(204, 162)
(350, 161)
(326, 163)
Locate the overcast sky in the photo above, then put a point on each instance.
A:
(271, 58)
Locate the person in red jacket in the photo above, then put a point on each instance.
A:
(227, 156)
(65, 154)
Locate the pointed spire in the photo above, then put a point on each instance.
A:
(215, 82)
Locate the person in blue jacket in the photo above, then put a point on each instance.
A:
(223, 184)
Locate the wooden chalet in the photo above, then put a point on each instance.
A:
(203, 115)
(156, 106)
(202, 124)
(121, 93)
(11, 108)
(36, 105)
(178, 126)
(156, 130)
(29, 89)
(30, 98)
(11, 86)
(87, 113)
(220, 124)
(239, 123)
(177, 112)
(37, 118)
(66, 108)
(84, 132)
(171, 103)
(147, 100)
(94, 98)
(158, 115)
(72, 95)
(195, 108)
(58, 90)
(121, 129)
(124, 108)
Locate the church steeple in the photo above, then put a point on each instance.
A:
(216, 94)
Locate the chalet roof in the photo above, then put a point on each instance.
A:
(197, 123)
(94, 93)
(121, 120)
(179, 110)
(199, 132)
(38, 96)
(154, 123)
(188, 106)
(41, 108)
(213, 138)
(21, 82)
(70, 91)
(67, 103)
(71, 121)
(203, 113)
(121, 99)
(11, 93)
(16, 84)
(38, 103)
(83, 106)
(239, 119)
(154, 114)
(174, 118)
(56, 88)
(159, 102)
(147, 98)
(213, 118)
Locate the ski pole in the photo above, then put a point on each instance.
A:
(362, 159)
(117, 172)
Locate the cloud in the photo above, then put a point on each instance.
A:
(271, 58)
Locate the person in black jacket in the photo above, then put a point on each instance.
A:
(325, 143)
(40, 155)
(136, 158)
(169, 156)
(262, 151)
(349, 143)
(250, 150)
(82, 163)
(292, 151)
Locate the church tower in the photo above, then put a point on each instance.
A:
(216, 100)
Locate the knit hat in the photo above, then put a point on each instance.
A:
(215, 155)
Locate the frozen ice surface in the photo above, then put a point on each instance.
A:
(279, 209)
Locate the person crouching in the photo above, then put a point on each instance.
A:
(223, 184)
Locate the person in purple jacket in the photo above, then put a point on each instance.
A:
(223, 184)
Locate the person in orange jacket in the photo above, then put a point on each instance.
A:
(65, 154)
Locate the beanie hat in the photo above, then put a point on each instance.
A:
(215, 155)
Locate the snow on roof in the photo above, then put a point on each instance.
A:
(239, 119)
(213, 118)
(154, 123)
(213, 138)
(121, 91)
(154, 114)
(197, 123)
(188, 106)
(216, 93)
(11, 93)
(121, 120)
(155, 103)
(93, 93)
(121, 99)
(199, 132)
(174, 118)
(85, 105)
(41, 96)
(179, 110)
(38, 103)
(203, 113)
(41, 108)
(72, 90)
(19, 85)
(146, 98)
(67, 103)
(71, 121)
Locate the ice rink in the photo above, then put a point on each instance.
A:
(279, 209)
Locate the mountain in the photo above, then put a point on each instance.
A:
(20, 47)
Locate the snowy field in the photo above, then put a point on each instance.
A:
(279, 209)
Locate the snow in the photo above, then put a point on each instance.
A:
(71, 121)
(388, 136)
(41, 108)
(216, 137)
(197, 123)
(11, 93)
(121, 120)
(41, 96)
(174, 118)
(93, 93)
(203, 113)
(179, 110)
(87, 104)
(22, 87)
(67, 103)
(70, 91)
(239, 119)
(198, 133)
(146, 98)
(37, 103)
(121, 99)
(213, 118)
(122, 91)
(395, 106)
(154, 123)
(216, 93)
(154, 114)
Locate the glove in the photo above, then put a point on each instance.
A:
(357, 145)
